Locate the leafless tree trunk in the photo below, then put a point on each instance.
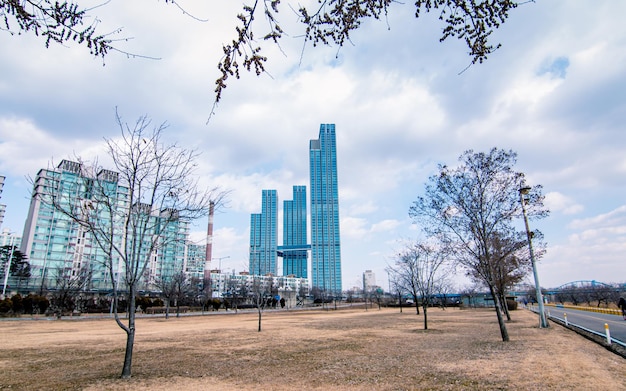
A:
(259, 290)
(473, 207)
(418, 268)
(129, 213)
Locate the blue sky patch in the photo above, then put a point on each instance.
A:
(557, 69)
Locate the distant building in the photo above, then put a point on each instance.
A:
(238, 286)
(8, 238)
(294, 249)
(195, 258)
(263, 235)
(369, 281)
(58, 247)
(324, 199)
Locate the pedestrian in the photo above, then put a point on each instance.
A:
(622, 305)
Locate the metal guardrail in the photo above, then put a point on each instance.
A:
(579, 328)
(609, 311)
(573, 325)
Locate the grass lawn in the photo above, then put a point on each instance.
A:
(349, 349)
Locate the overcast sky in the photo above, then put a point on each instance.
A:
(555, 93)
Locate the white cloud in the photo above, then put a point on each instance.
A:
(397, 98)
(612, 219)
(25, 148)
(363, 208)
(353, 227)
(557, 202)
(385, 225)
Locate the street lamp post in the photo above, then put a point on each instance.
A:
(220, 261)
(543, 323)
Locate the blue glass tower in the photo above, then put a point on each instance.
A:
(294, 247)
(263, 235)
(325, 237)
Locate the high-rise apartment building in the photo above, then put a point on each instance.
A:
(263, 235)
(325, 237)
(58, 247)
(294, 247)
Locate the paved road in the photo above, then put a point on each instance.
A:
(593, 321)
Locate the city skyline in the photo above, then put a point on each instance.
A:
(325, 239)
(404, 102)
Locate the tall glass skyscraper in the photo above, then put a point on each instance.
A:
(295, 234)
(263, 235)
(325, 237)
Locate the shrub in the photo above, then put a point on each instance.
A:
(216, 304)
(43, 303)
(5, 306)
(27, 303)
(35, 304)
(143, 303)
(17, 304)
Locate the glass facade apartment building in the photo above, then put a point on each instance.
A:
(263, 235)
(58, 247)
(324, 200)
(294, 249)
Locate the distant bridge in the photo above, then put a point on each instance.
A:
(584, 284)
(523, 289)
(281, 250)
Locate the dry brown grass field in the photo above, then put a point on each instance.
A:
(350, 349)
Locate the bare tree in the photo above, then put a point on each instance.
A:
(176, 287)
(396, 285)
(260, 291)
(233, 291)
(570, 293)
(405, 274)
(472, 206)
(183, 289)
(470, 292)
(303, 292)
(601, 294)
(374, 293)
(443, 288)
(68, 286)
(418, 266)
(510, 263)
(131, 214)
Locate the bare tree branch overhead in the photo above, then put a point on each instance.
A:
(324, 22)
